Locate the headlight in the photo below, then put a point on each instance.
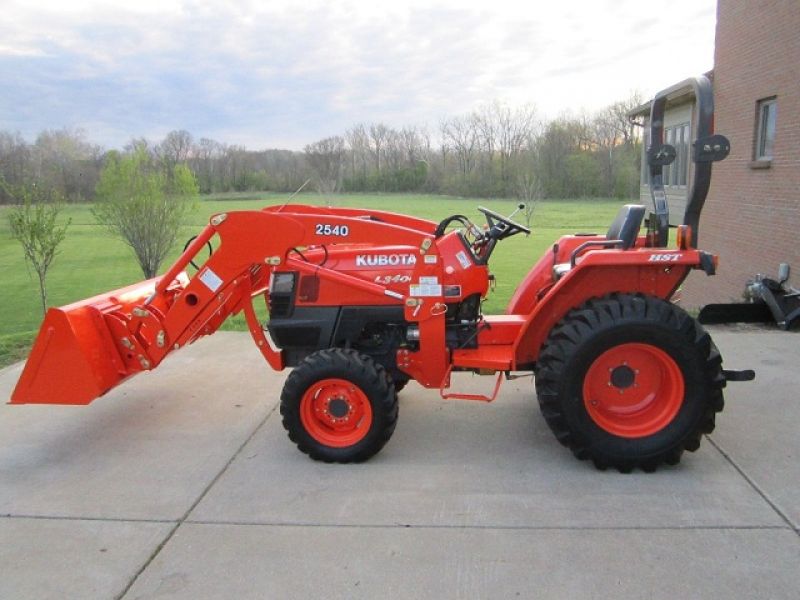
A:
(281, 283)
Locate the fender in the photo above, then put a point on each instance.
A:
(599, 273)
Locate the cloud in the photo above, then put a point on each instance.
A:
(270, 74)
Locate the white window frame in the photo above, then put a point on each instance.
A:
(765, 108)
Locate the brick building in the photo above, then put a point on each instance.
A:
(752, 215)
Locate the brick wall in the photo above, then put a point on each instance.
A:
(752, 216)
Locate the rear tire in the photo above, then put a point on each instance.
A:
(629, 381)
(339, 406)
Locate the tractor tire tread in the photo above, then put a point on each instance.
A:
(599, 314)
(347, 364)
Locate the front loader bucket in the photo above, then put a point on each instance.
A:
(74, 359)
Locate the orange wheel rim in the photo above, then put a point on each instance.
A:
(336, 412)
(633, 390)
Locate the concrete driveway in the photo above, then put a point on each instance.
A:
(182, 484)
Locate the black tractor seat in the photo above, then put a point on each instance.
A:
(621, 234)
(625, 226)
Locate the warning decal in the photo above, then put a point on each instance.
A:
(463, 260)
(428, 286)
(210, 279)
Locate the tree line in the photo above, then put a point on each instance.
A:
(493, 151)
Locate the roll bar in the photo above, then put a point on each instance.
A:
(706, 149)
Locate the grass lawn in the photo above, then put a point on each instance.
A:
(92, 262)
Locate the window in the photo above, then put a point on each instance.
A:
(677, 136)
(645, 166)
(682, 146)
(765, 128)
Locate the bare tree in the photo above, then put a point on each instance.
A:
(138, 144)
(426, 146)
(514, 127)
(15, 162)
(176, 147)
(378, 132)
(204, 162)
(325, 157)
(610, 131)
(486, 128)
(235, 166)
(410, 142)
(528, 186)
(560, 139)
(529, 192)
(461, 135)
(619, 112)
(65, 161)
(358, 140)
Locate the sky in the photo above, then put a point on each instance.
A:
(268, 74)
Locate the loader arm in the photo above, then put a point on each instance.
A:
(85, 349)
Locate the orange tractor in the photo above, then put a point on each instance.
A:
(362, 301)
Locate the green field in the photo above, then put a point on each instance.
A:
(92, 262)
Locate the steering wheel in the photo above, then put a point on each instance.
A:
(501, 227)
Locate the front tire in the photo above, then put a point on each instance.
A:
(629, 381)
(339, 406)
(400, 383)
